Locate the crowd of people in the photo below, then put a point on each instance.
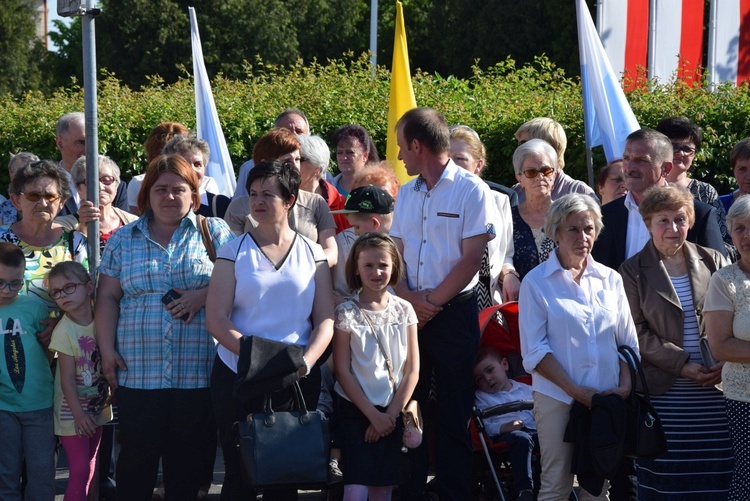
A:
(378, 287)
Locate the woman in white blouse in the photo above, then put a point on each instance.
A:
(571, 321)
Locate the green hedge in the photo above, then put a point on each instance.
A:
(494, 102)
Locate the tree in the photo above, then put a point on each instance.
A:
(21, 52)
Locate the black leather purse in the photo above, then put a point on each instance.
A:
(645, 437)
(285, 449)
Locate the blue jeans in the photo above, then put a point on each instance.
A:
(521, 444)
(30, 436)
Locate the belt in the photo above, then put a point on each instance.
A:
(460, 298)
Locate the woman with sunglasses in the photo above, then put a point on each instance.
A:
(110, 218)
(38, 191)
(535, 164)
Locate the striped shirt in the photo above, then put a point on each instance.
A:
(160, 351)
(691, 333)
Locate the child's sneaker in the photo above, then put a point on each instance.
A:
(334, 472)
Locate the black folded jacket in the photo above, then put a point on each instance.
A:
(265, 366)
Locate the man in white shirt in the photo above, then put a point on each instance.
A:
(647, 160)
(441, 226)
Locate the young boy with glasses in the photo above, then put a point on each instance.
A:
(26, 387)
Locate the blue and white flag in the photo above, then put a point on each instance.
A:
(607, 117)
(207, 120)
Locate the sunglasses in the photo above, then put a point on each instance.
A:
(35, 197)
(15, 285)
(105, 180)
(67, 290)
(544, 171)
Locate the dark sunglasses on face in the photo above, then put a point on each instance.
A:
(544, 171)
(35, 197)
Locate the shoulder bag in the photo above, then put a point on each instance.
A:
(411, 414)
(285, 449)
(645, 437)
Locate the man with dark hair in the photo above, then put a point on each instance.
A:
(441, 226)
(647, 161)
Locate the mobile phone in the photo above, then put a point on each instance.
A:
(173, 295)
(708, 357)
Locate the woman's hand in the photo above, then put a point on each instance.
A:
(511, 287)
(584, 394)
(84, 425)
(87, 212)
(701, 375)
(381, 425)
(110, 363)
(191, 303)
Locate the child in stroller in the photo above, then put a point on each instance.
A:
(516, 428)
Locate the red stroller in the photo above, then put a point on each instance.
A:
(499, 327)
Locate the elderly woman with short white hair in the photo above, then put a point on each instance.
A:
(313, 163)
(110, 218)
(572, 320)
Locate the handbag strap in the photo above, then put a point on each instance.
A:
(388, 364)
(634, 364)
(206, 237)
(304, 414)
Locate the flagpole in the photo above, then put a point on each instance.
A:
(90, 109)
(713, 79)
(652, 40)
(374, 34)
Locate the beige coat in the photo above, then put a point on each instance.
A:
(657, 312)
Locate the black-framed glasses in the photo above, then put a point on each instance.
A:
(67, 290)
(105, 180)
(35, 197)
(687, 150)
(15, 285)
(544, 171)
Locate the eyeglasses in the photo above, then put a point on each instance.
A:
(687, 150)
(35, 197)
(67, 290)
(544, 171)
(15, 285)
(105, 180)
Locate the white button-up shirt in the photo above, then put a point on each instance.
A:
(637, 234)
(432, 224)
(580, 325)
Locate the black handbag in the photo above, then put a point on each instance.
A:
(285, 449)
(645, 438)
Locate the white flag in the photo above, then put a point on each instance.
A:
(209, 128)
(607, 117)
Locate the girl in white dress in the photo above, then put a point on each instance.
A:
(372, 331)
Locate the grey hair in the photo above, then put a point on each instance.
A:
(316, 151)
(533, 148)
(568, 205)
(660, 144)
(78, 171)
(23, 158)
(68, 119)
(180, 145)
(739, 210)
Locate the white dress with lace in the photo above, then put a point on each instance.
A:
(730, 291)
(367, 362)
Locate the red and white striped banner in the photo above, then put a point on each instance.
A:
(664, 35)
(623, 29)
(676, 40)
(729, 41)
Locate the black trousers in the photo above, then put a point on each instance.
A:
(168, 424)
(447, 349)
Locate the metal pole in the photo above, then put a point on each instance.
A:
(92, 129)
(374, 34)
(590, 168)
(713, 78)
